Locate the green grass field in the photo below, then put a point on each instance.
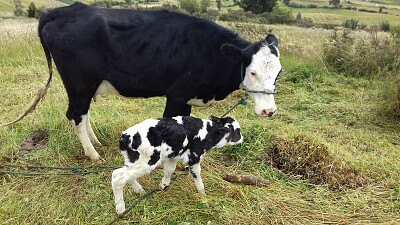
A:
(334, 124)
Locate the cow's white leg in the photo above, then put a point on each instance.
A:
(169, 168)
(81, 132)
(119, 178)
(195, 172)
(90, 132)
(136, 186)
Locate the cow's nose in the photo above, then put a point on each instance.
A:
(268, 112)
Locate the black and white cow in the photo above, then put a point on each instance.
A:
(141, 53)
(167, 141)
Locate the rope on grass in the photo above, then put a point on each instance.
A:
(73, 170)
(140, 199)
(80, 171)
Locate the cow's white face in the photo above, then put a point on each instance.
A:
(259, 80)
(262, 67)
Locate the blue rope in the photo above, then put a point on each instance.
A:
(74, 170)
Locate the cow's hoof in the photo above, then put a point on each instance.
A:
(97, 144)
(99, 161)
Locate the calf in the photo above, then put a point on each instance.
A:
(169, 140)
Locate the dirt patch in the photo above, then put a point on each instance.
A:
(311, 160)
(37, 141)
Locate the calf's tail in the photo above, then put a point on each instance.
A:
(43, 91)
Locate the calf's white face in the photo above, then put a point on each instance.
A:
(260, 76)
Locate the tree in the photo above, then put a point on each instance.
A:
(258, 6)
(31, 10)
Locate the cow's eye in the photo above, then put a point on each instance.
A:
(253, 73)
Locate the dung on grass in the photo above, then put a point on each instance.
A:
(311, 160)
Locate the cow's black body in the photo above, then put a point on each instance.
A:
(141, 53)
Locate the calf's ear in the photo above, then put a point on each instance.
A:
(232, 52)
(124, 142)
(272, 40)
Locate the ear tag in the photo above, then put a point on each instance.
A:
(243, 101)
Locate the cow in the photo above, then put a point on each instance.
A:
(166, 141)
(144, 53)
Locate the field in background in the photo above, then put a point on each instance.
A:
(323, 118)
(317, 15)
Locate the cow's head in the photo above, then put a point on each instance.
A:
(260, 69)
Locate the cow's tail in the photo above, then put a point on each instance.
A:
(41, 92)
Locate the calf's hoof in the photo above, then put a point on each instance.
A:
(163, 187)
(120, 209)
(140, 191)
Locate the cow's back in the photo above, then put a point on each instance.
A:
(150, 51)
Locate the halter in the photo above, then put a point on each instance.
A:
(266, 91)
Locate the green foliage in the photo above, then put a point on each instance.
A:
(103, 3)
(335, 3)
(258, 6)
(211, 14)
(385, 26)
(239, 16)
(31, 10)
(190, 6)
(365, 57)
(204, 5)
(18, 8)
(278, 16)
(351, 24)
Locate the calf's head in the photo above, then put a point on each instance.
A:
(227, 131)
(260, 69)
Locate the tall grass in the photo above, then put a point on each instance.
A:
(338, 112)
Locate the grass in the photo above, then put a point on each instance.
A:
(342, 115)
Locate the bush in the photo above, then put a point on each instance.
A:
(373, 56)
(351, 24)
(278, 16)
(385, 26)
(18, 8)
(31, 11)
(258, 6)
(190, 6)
(211, 14)
(239, 16)
(328, 26)
(296, 5)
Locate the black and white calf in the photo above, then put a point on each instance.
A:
(169, 140)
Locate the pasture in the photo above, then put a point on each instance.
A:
(330, 153)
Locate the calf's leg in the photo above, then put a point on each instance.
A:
(137, 188)
(169, 168)
(118, 181)
(195, 172)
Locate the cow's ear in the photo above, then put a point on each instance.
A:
(271, 40)
(232, 52)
